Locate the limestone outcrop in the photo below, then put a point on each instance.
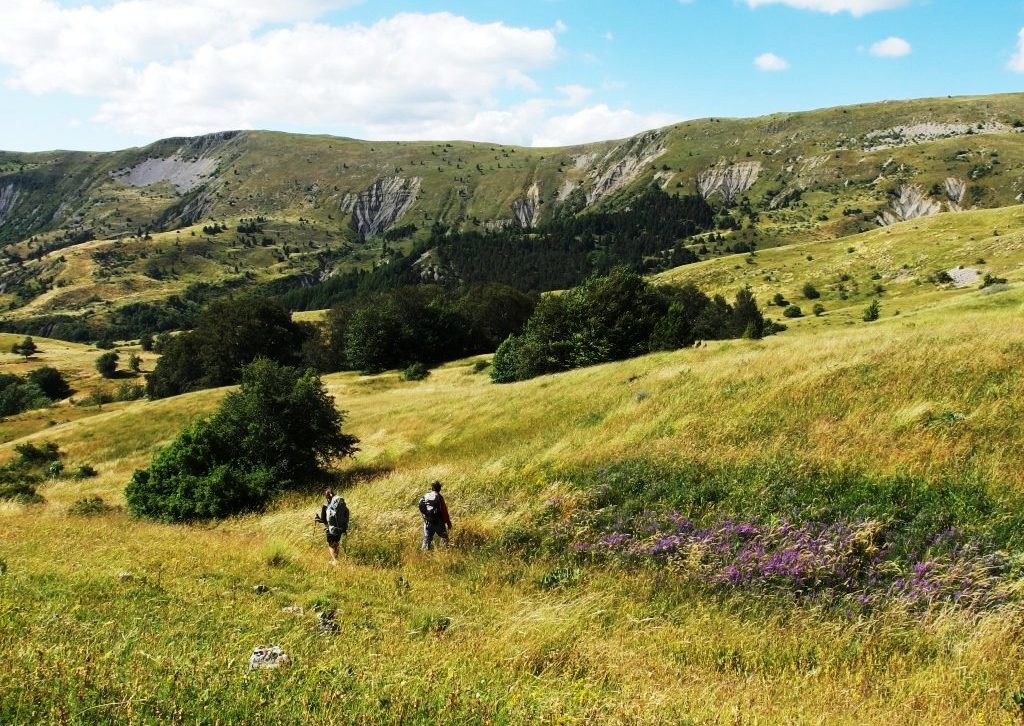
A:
(526, 209)
(8, 198)
(386, 201)
(955, 189)
(920, 133)
(623, 164)
(185, 174)
(909, 202)
(727, 180)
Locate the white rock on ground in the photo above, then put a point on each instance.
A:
(964, 276)
(268, 657)
(911, 134)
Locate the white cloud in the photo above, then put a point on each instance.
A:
(770, 62)
(88, 48)
(1016, 63)
(856, 8)
(890, 48)
(595, 123)
(182, 67)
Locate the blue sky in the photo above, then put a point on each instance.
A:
(106, 74)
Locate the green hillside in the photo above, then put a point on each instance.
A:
(85, 231)
(904, 427)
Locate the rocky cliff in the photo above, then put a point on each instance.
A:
(376, 209)
(727, 180)
(623, 164)
(526, 209)
(8, 198)
(909, 202)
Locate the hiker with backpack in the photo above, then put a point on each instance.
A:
(334, 517)
(436, 521)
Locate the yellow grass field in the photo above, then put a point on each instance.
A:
(108, 619)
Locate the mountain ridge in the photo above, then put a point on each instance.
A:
(80, 229)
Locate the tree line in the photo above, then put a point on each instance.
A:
(620, 316)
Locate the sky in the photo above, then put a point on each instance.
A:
(110, 74)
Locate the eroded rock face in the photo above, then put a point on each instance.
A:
(185, 174)
(386, 201)
(526, 209)
(955, 189)
(623, 164)
(909, 202)
(8, 198)
(728, 180)
(920, 133)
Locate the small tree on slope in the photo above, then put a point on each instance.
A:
(280, 429)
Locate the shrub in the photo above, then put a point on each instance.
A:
(128, 391)
(990, 280)
(793, 311)
(20, 492)
(106, 364)
(31, 455)
(779, 300)
(84, 471)
(819, 310)
(811, 292)
(89, 507)
(51, 382)
(280, 429)
(872, 312)
(480, 366)
(17, 395)
(26, 348)
(415, 372)
(19, 477)
(97, 397)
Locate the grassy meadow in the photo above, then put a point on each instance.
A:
(107, 619)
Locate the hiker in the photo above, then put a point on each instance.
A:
(435, 516)
(334, 517)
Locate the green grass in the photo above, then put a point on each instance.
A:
(915, 418)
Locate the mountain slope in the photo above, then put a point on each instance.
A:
(104, 604)
(84, 228)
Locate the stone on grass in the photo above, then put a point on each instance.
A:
(268, 657)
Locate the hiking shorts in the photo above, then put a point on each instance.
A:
(332, 539)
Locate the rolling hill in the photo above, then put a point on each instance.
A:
(135, 621)
(84, 233)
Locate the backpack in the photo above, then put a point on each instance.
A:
(337, 517)
(430, 507)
